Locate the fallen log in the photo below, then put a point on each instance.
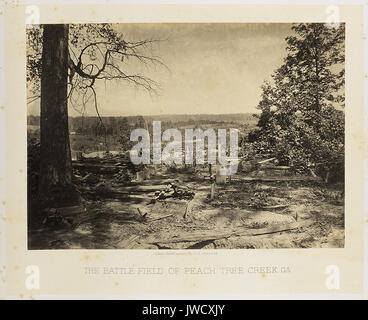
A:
(97, 168)
(265, 161)
(215, 235)
(138, 188)
(152, 182)
(173, 200)
(277, 178)
(125, 192)
(278, 206)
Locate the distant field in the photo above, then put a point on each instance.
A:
(239, 118)
(89, 135)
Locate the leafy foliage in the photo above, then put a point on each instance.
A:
(300, 121)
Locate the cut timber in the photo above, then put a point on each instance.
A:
(147, 200)
(152, 182)
(216, 235)
(271, 179)
(265, 161)
(131, 192)
(138, 188)
(279, 206)
(96, 168)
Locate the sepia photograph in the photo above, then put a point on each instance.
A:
(185, 135)
(206, 151)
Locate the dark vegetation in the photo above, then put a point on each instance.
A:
(302, 122)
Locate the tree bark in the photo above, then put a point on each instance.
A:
(56, 186)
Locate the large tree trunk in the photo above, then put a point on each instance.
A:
(56, 186)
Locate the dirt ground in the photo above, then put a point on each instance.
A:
(114, 221)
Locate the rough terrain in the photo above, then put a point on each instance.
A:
(148, 214)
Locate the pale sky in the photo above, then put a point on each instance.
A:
(213, 68)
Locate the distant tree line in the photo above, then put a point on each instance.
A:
(115, 126)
